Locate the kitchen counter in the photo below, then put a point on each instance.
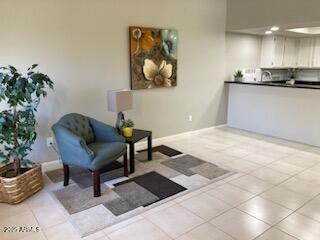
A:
(298, 84)
(276, 109)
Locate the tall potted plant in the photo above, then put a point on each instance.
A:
(20, 95)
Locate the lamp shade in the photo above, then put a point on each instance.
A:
(119, 100)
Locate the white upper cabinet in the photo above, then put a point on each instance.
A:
(278, 52)
(268, 52)
(305, 51)
(290, 53)
(316, 53)
(287, 52)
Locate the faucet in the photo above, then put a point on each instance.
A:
(266, 76)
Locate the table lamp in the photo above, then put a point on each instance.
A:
(119, 101)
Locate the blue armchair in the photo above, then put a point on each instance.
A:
(88, 143)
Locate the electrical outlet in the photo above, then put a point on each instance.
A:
(50, 142)
(190, 118)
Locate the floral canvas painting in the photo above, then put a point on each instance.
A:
(153, 55)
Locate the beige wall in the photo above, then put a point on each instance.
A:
(245, 14)
(83, 46)
(242, 51)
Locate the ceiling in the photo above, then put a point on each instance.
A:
(283, 31)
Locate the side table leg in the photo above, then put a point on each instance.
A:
(131, 157)
(150, 147)
(125, 165)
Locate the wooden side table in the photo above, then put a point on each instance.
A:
(138, 135)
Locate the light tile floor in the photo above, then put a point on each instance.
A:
(274, 196)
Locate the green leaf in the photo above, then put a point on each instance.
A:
(26, 162)
(12, 69)
(33, 67)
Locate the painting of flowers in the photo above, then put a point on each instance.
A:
(153, 57)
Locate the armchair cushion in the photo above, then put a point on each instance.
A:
(106, 153)
(79, 125)
(104, 132)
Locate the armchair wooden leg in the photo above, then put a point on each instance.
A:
(125, 165)
(96, 183)
(65, 175)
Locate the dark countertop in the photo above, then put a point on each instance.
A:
(298, 84)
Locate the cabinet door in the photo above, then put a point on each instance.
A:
(289, 57)
(272, 52)
(305, 52)
(278, 51)
(267, 52)
(316, 53)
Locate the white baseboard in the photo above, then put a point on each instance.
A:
(142, 143)
(170, 137)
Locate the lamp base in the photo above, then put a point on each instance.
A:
(120, 118)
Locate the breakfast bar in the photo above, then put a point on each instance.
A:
(288, 111)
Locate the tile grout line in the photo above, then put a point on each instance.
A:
(293, 211)
(275, 185)
(145, 219)
(42, 229)
(206, 222)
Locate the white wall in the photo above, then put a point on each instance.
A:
(83, 46)
(245, 14)
(242, 51)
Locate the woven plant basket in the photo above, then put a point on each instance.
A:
(15, 190)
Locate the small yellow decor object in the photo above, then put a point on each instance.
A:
(126, 127)
(127, 132)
